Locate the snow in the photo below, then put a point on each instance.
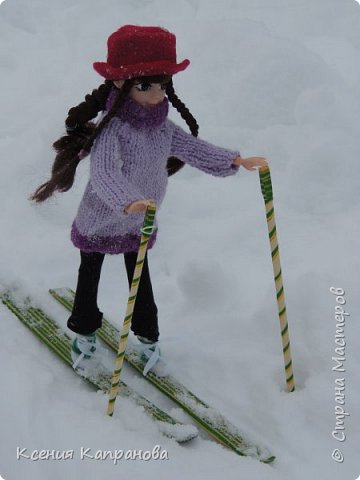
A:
(277, 78)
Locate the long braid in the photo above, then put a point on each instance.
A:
(173, 163)
(123, 93)
(72, 148)
(87, 110)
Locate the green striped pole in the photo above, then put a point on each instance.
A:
(266, 188)
(146, 231)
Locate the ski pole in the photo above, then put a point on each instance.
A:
(146, 231)
(266, 188)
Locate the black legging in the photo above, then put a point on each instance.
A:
(86, 316)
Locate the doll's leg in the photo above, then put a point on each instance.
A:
(145, 320)
(86, 316)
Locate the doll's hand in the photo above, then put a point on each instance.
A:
(138, 206)
(250, 163)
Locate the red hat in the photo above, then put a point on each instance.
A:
(135, 51)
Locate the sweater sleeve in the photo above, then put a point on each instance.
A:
(105, 171)
(203, 155)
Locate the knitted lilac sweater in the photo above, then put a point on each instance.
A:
(128, 163)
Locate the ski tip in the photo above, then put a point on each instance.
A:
(261, 454)
(178, 431)
(268, 460)
(264, 456)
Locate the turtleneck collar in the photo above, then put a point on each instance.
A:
(139, 116)
(143, 117)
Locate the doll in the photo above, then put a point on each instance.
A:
(133, 148)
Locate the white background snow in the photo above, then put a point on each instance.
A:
(278, 78)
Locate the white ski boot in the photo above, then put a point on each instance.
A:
(86, 353)
(150, 352)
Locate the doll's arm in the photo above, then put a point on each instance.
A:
(203, 155)
(105, 171)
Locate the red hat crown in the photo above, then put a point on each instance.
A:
(135, 51)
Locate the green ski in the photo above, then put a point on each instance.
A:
(206, 417)
(49, 332)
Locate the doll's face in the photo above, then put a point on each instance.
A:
(147, 94)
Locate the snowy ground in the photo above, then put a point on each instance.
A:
(277, 78)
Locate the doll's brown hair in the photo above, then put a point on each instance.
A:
(81, 133)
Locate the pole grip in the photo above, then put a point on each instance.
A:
(265, 183)
(149, 227)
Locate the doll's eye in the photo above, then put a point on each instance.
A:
(146, 86)
(143, 87)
